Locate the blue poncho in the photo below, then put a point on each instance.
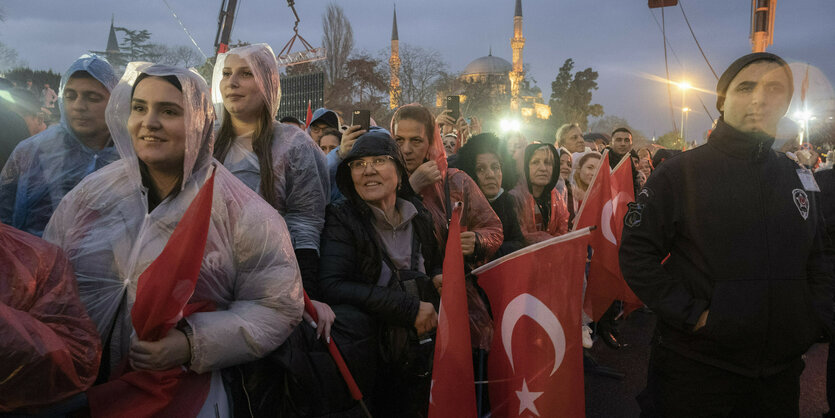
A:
(43, 168)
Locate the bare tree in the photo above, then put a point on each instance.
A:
(338, 40)
(182, 55)
(9, 58)
(420, 72)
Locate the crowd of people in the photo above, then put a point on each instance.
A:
(357, 220)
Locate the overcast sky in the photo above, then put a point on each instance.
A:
(618, 38)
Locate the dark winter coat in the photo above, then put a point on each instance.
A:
(745, 240)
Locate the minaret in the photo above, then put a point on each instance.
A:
(394, 64)
(112, 42)
(517, 42)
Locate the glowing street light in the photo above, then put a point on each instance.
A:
(510, 125)
(803, 116)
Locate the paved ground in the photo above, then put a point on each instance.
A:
(610, 398)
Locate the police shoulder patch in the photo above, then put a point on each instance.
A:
(632, 219)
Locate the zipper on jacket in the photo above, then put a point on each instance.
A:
(764, 214)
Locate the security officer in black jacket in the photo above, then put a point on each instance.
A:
(748, 284)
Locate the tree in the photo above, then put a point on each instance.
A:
(9, 58)
(420, 72)
(670, 140)
(136, 45)
(338, 40)
(181, 56)
(20, 75)
(571, 96)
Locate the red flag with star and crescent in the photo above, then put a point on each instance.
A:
(453, 391)
(604, 207)
(535, 367)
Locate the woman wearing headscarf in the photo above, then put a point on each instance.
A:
(494, 173)
(115, 223)
(378, 255)
(417, 135)
(44, 167)
(542, 212)
(276, 160)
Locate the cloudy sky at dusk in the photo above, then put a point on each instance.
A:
(619, 39)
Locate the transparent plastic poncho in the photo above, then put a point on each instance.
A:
(43, 168)
(249, 270)
(302, 186)
(50, 348)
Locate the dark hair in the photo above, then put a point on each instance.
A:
(85, 74)
(153, 198)
(622, 129)
(262, 142)
(171, 79)
(486, 143)
(419, 114)
(331, 131)
(290, 119)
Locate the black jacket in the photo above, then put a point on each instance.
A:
(745, 240)
(505, 209)
(351, 261)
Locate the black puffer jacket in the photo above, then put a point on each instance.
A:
(745, 240)
(351, 255)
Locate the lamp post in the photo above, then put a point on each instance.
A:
(684, 86)
(684, 111)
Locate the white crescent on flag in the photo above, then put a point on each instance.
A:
(527, 304)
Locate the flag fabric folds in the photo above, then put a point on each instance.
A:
(605, 206)
(453, 388)
(162, 295)
(535, 367)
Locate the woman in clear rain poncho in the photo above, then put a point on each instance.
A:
(117, 221)
(43, 168)
(276, 160)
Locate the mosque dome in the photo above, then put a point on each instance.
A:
(488, 65)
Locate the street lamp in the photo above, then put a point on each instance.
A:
(684, 86)
(684, 111)
(803, 116)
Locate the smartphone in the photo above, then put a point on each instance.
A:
(453, 104)
(362, 118)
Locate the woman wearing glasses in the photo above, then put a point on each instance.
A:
(378, 254)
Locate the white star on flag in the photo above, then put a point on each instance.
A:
(527, 398)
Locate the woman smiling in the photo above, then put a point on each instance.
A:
(117, 221)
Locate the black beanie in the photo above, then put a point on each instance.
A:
(738, 65)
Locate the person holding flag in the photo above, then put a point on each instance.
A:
(727, 245)
(118, 220)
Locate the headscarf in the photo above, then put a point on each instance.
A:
(373, 143)
(199, 117)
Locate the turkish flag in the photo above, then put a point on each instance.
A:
(535, 365)
(162, 295)
(605, 206)
(308, 116)
(453, 384)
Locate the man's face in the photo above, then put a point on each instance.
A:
(317, 129)
(757, 98)
(622, 142)
(85, 100)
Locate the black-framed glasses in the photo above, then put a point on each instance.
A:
(376, 162)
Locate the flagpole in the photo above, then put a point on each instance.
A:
(337, 358)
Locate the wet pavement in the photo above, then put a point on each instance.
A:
(612, 398)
